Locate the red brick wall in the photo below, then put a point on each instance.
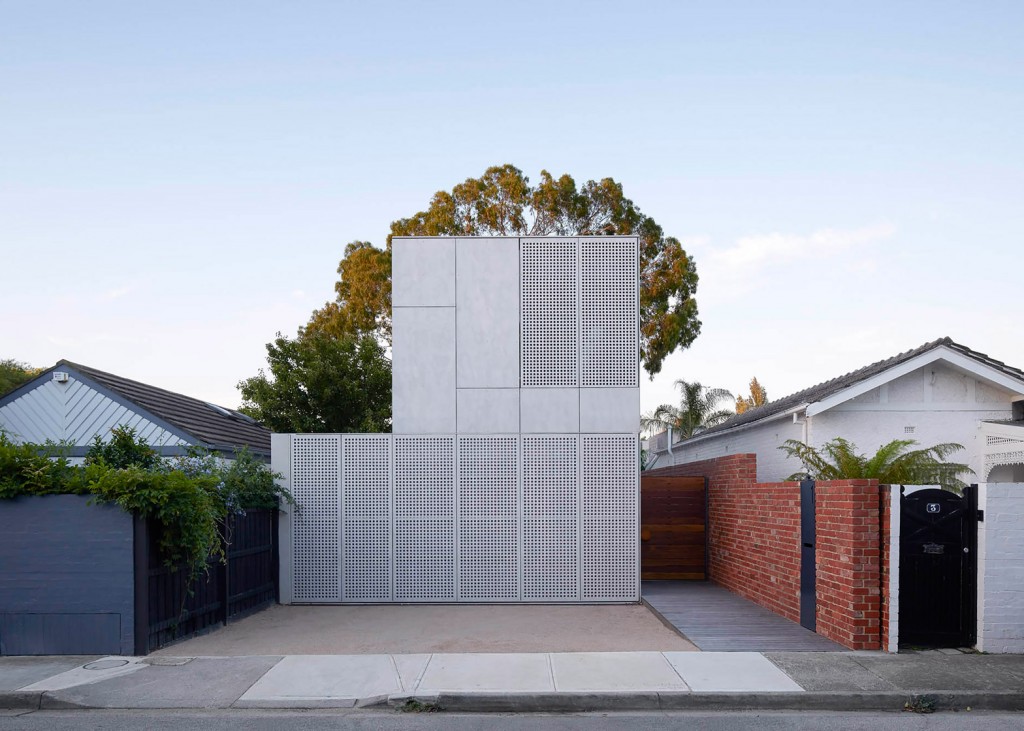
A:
(848, 563)
(753, 531)
(754, 546)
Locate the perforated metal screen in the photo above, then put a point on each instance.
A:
(609, 313)
(609, 501)
(315, 475)
(366, 518)
(424, 496)
(549, 293)
(489, 518)
(550, 518)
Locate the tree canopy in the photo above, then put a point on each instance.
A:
(322, 383)
(14, 373)
(894, 463)
(758, 397)
(698, 410)
(502, 202)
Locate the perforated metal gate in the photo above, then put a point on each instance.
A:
(503, 518)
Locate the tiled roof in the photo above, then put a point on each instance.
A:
(829, 388)
(214, 426)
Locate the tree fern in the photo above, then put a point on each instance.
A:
(893, 464)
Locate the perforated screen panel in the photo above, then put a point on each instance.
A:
(548, 296)
(366, 518)
(609, 501)
(424, 505)
(315, 487)
(609, 315)
(489, 518)
(550, 514)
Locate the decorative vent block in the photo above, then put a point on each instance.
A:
(550, 514)
(550, 344)
(488, 518)
(366, 518)
(315, 486)
(610, 518)
(424, 504)
(609, 313)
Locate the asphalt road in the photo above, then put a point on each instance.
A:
(388, 720)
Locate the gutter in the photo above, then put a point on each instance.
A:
(788, 414)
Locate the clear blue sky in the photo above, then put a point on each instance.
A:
(178, 180)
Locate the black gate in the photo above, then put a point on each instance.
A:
(938, 568)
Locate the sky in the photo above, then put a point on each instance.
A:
(178, 181)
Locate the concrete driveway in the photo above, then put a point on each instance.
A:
(405, 629)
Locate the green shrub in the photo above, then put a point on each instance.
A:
(187, 497)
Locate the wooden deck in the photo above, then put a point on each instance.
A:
(716, 620)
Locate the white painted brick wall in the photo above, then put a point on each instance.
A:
(763, 440)
(1001, 568)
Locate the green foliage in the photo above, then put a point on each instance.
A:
(322, 383)
(893, 464)
(184, 507)
(502, 202)
(14, 373)
(188, 498)
(36, 470)
(698, 410)
(124, 449)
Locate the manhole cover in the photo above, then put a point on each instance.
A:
(105, 664)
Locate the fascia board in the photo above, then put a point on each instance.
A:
(942, 353)
(788, 413)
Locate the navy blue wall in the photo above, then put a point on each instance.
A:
(66, 577)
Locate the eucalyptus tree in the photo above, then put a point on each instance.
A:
(503, 202)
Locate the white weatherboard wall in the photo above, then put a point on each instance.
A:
(512, 471)
(1001, 568)
(75, 413)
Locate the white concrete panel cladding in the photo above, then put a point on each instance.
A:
(609, 410)
(487, 295)
(423, 370)
(549, 410)
(422, 272)
(488, 410)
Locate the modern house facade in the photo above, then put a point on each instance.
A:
(939, 392)
(511, 474)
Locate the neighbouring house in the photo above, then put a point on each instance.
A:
(74, 404)
(939, 392)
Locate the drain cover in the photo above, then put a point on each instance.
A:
(105, 664)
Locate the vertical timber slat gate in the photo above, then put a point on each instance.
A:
(169, 608)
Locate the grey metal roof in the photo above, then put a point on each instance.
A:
(834, 386)
(213, 426)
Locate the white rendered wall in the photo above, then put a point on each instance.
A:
(1001, 568)
(763, 440)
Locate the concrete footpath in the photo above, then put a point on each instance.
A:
(523, 682)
